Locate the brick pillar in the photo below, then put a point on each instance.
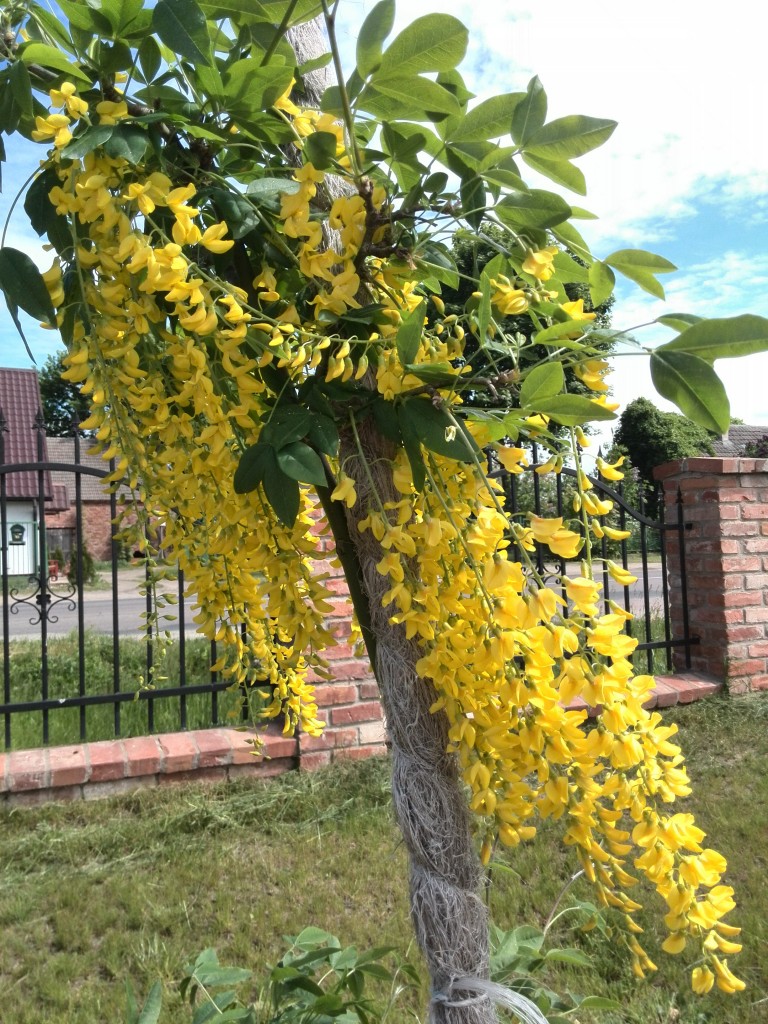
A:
(349, 700)
(726, 565)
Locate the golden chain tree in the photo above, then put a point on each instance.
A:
(248, 286)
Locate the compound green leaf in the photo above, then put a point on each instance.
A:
(426, 94)
(692, 384)
(320, 149)
(436, 431)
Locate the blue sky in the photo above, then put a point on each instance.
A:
(685, 174)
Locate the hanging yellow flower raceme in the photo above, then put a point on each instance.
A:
(170, 353)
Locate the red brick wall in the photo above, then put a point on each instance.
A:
(726, 563)
(97, 527)
(349, 701)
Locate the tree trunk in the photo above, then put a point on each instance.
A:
(449, 916)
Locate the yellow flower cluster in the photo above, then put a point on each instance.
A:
(169, 354)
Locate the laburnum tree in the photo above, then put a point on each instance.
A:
(248, 283)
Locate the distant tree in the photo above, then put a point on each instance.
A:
(62, 401)
(651, 437)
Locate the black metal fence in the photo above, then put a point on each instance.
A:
(644, 553)
(80, 664)
(57, 628)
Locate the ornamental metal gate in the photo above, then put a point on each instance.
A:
(75, 656)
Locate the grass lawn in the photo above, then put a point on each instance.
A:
(94, 893)
(63, 676)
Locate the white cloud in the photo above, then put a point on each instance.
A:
(683, 79)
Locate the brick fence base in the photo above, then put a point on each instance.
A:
(110, 767)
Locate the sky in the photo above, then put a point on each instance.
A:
(684, 175)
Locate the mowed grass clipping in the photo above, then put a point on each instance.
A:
(92, 894)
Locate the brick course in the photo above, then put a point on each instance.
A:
(106, 768)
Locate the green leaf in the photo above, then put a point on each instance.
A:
(283, 495)
(560, 332)
(255, 463)
(288, 423)
(484, 306)
(24, 286)
(300, 462)
(150, 1011)
(694, 387)
(438, 375)
(90, 139)
(489, 120)
(473, 200)
(534, 209)
(601, 282)
(434, 42)
(641, 267)
(181, 25)
(680, 321)
(21, 86)
(543, 381)
(561, 171)
(573, 410)
(409, 334)
(373, 32)
(128, 142)
(569, 956)
(429, 96)
(570, 237)
(324, 435)
(50, 57)
(435, 430)
(726, 338)
(320, 149)
(599, 1003)
(531, 113)
(567, 269)
(412, 446)
(569, 137)
(267, 189)
(131, 1007)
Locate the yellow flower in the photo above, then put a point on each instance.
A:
(345, 491)
(212, 238)
(55, 126)
(539, 264)
(702, 980)
(610, 470)
(621, 575)
(512, 459)
(575, 310)
(509, 301)
(65, 97)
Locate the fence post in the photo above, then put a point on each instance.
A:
(724, 592)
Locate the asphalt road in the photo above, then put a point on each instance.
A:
(97, 609)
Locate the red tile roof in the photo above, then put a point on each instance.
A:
(20, 405)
